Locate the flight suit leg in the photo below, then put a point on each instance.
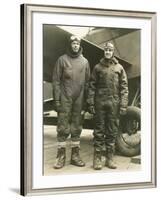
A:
(76, 126)
(99, 130)
(64, 117)
(76, 129)
(112, 122)
(76, 117)
(112, 129)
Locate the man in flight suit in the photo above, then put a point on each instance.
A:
(70, 83)
(108, 99)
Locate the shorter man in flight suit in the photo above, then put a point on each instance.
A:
(107, 99)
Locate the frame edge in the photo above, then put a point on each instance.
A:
(24, 189)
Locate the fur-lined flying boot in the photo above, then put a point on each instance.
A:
(60, 159)
(75, 157)
(97, 161)
(109, 159)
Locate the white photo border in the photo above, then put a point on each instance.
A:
(33, 17)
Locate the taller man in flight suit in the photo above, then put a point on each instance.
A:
(108, 99)
(70, 83)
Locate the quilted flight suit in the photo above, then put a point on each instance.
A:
(108, 92)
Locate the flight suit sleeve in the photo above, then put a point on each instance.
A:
(123, 89)
(92, 87)
(57, 73)
(87, 79)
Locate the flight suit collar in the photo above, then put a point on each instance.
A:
(108, 62)
(73, 55)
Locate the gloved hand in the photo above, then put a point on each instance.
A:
(91, 110)
(123, 111)
(57, 106)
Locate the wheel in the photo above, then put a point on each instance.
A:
(128, 142)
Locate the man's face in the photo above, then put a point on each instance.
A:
(75, 46)
(108, 52)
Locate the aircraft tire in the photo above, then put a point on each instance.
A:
(130, 145)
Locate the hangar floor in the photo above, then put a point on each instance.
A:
(50, 149)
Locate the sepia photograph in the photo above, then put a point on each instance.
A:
(92, 104)
(88, 104)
